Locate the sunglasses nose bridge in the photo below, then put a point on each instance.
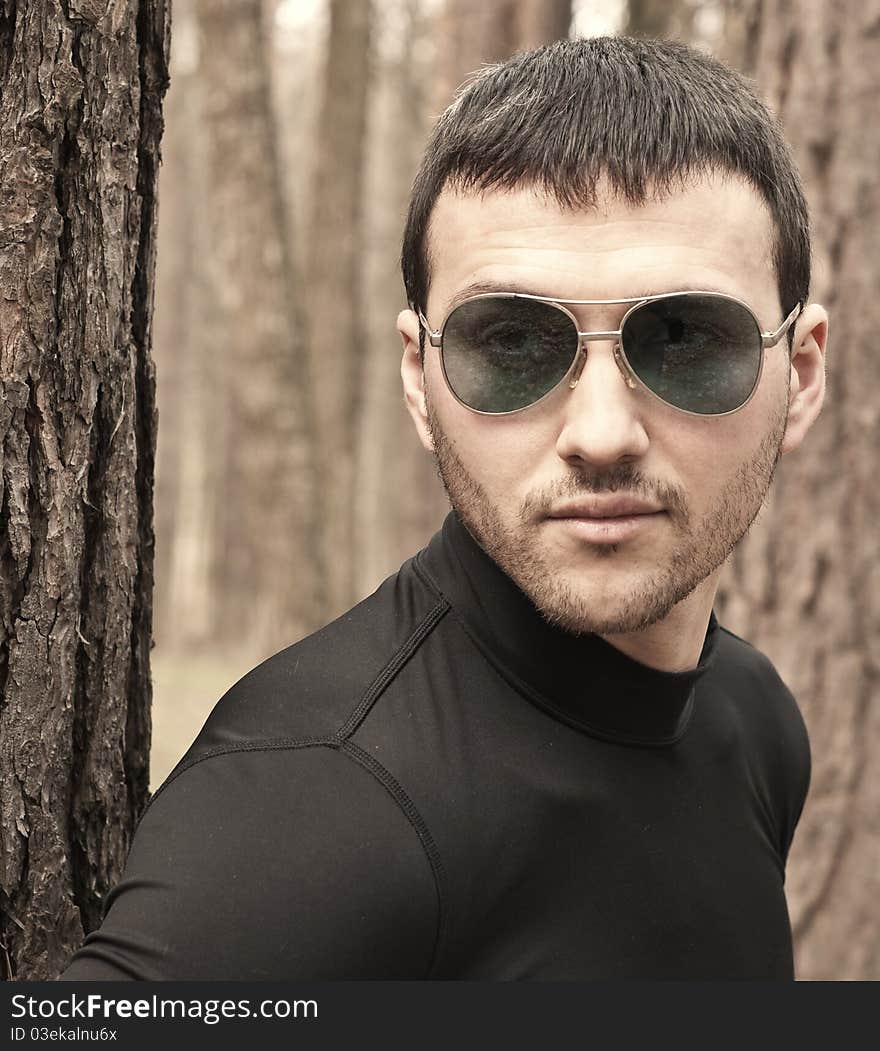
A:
(584, 340)
(625, 370)
(579, 362)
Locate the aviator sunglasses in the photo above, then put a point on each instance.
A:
(700, 352)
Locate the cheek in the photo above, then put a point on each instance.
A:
(695, 462)
(704, 464)
(713, 462)
(503, 455)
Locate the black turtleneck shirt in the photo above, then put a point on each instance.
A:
(439, 784)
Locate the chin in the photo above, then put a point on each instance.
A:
(596, 622)
(595, 610)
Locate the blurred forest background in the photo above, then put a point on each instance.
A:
(289, 482)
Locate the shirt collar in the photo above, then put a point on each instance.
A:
(581, 679)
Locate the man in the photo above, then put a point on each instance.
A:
(533, 753)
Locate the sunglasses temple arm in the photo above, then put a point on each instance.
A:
(770, 339)
(433, 337)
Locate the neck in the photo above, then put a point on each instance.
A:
(675, 642)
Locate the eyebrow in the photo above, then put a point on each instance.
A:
(476, 288)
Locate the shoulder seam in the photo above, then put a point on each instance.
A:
(340, 741)
(412, 814)
(379, 774)
(271, 744)
(390, 670)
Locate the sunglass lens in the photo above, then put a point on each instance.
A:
(701, 353)
(502, 353)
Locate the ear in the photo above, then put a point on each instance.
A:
(807, 384)
(413, 375)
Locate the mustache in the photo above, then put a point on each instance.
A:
(620, 480)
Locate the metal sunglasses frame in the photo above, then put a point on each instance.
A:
(768, 339)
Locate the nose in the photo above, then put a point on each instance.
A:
(602, 417)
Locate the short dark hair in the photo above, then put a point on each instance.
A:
(644, 114)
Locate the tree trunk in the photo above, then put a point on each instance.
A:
(474, 35)
(659, 18)
(188, 385)
(805, 585)
(335, 314)
(79, 149)
(542, 21)
(400, 501)
(265, 571)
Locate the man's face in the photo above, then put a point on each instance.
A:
(505, 475)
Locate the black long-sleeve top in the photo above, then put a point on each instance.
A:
(440, 784)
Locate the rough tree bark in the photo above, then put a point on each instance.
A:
(268, 544)
(335, 310)
(806, 583)
(80, 126)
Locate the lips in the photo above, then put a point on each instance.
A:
(603, 522)
(611, 507)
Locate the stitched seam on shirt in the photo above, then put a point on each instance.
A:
(388, 672)
(373, 767)
(385, 676)
(428, 580)
(271, 744)
(411, 811)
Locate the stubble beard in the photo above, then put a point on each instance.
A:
(517, 548)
